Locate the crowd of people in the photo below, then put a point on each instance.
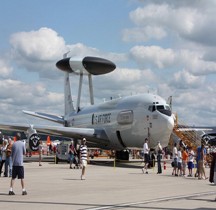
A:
(12, 159)
(184, 160)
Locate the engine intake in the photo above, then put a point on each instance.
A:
(33, 139)
(34, 142)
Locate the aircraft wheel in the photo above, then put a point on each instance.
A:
(122, 155)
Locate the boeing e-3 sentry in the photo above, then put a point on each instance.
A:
(116, 124)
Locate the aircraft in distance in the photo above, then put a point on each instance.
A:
(117, 124)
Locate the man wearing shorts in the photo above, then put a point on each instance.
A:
(175, 161)
(190, 161)
(83, 157)
(146, 156)
(17, 152)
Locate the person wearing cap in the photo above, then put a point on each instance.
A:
(83, 157)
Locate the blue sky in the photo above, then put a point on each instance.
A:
(165, 47)
(79, 21)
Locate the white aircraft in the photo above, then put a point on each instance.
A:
(117, 124)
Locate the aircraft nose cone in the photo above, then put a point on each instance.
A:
(64, 64)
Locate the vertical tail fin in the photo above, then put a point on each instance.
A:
(67, 94)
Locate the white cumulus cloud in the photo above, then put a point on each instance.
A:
(183, 79)
(153, 55)
(5, 69)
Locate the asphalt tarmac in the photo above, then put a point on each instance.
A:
(107, 186)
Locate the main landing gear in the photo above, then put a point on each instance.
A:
(122, 155)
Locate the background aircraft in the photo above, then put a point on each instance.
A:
(117, 124)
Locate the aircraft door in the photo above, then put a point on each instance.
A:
(125, 120)
(120, 139)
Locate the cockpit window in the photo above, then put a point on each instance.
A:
(160, 107)
(152, 108)
(164, 109)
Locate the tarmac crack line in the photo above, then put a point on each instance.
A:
(133, 204)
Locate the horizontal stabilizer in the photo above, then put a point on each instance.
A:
(50, 117)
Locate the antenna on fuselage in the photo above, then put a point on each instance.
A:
(85, 66)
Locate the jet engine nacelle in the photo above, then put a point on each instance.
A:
(33, 139)
(86, 65)
(34, 142)
(205, 139)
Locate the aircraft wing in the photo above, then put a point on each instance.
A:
(50, 117)
(94, 136)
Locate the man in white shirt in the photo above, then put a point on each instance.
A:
(179, 162)
(190, 161)
(175, 162)
(146, 156)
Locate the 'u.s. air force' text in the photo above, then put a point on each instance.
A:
(101, 118)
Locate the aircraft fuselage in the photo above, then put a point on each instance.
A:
(126, 122)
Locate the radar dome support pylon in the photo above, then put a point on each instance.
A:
(82, 66)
